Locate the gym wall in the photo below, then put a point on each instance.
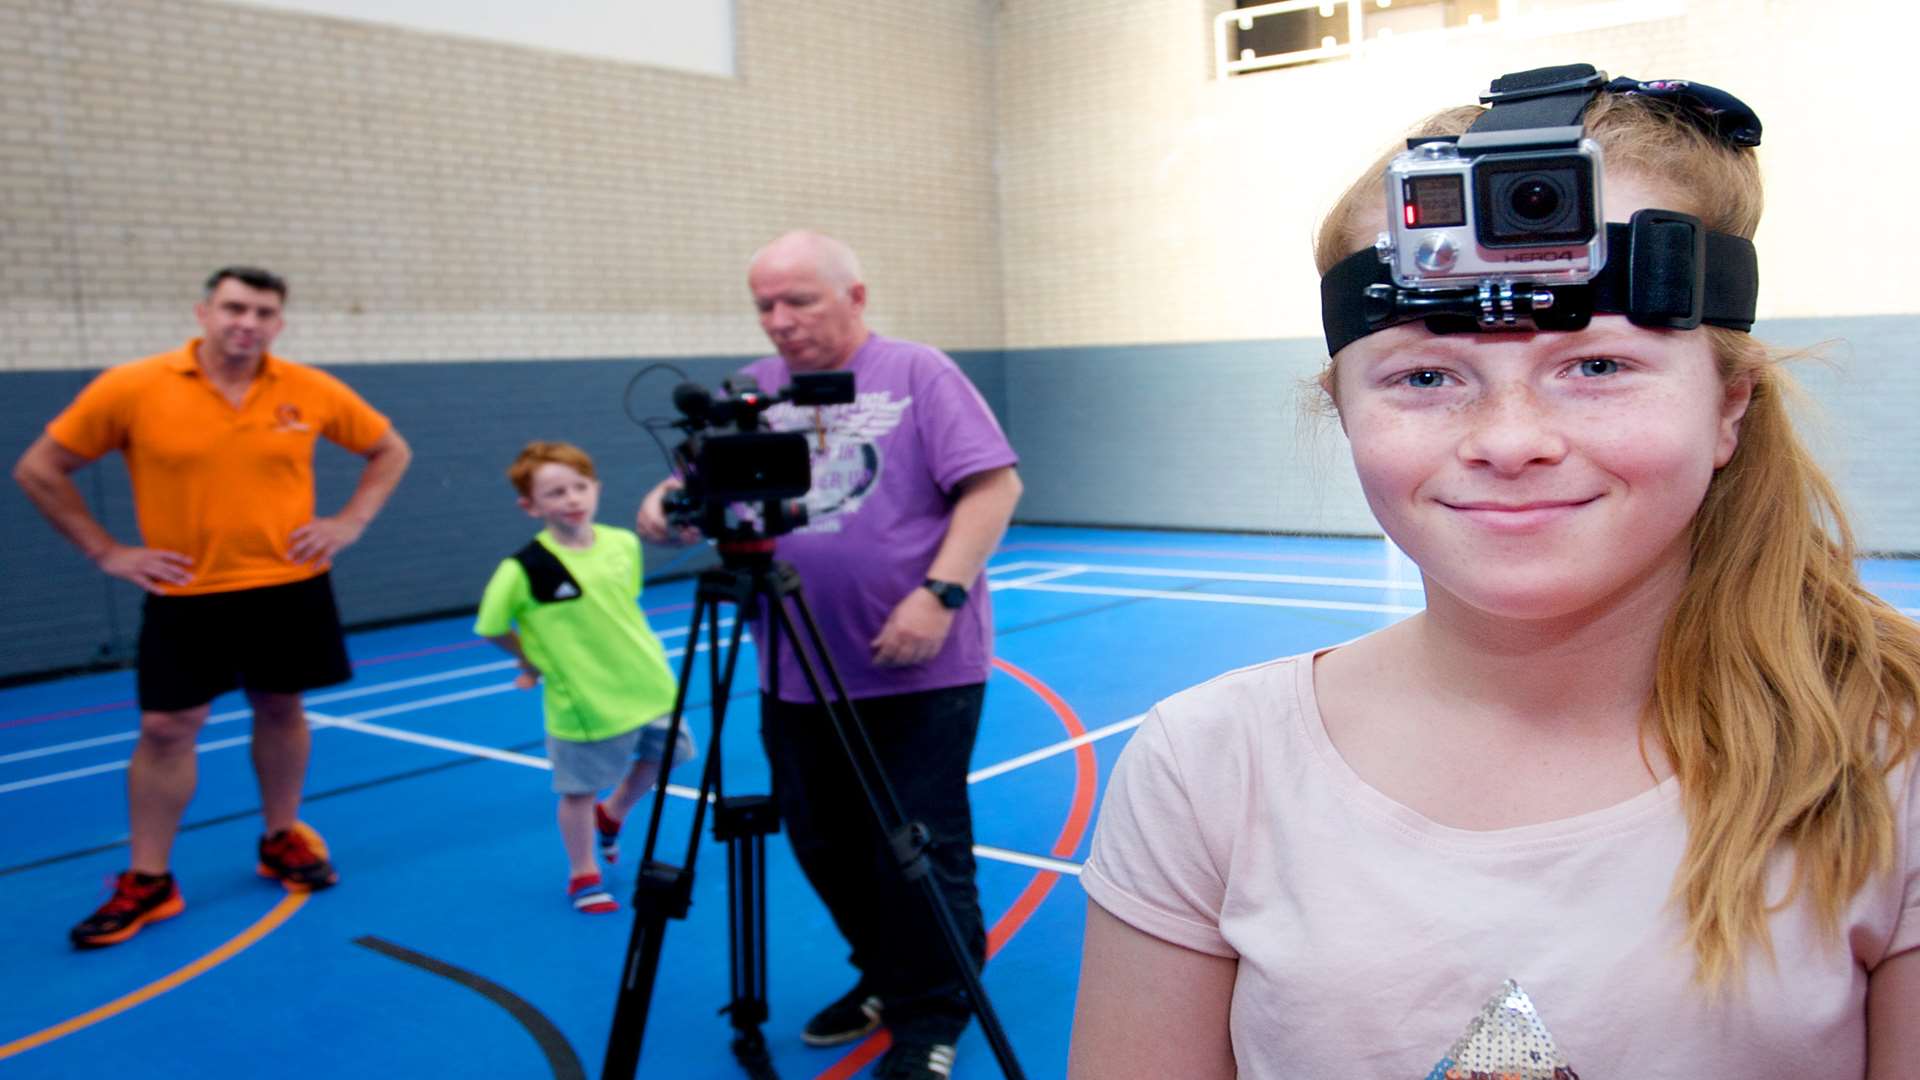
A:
(489, 240)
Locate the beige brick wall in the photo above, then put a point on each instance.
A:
(434, 198)
(1016, 173)
(1144, 200)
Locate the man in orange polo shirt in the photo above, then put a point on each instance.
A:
(218, 437)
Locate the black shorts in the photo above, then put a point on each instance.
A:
(280, 639)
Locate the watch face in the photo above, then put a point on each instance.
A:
(951, 595)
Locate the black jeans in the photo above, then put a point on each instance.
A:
(925, 743)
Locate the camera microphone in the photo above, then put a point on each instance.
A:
(693, 400)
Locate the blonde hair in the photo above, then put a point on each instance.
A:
(540, 452)
(1784, 692)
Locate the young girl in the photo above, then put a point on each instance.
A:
(1633, 797)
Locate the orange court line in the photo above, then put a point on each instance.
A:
(267, 924)
(1085, 779)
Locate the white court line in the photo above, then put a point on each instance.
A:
(110, 766)
(325, 698)
(1390, 584)
(1038, 862)
(240, 714)
(353, 723)
(1003, 568)
(357, 722)
(1055, 750)
(510, 757)
(1020, 858)
(1053, 571)
(1219, 598)
(1037, 583)
(1048, 575)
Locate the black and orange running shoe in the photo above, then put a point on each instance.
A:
(297, 859)
(138, 899)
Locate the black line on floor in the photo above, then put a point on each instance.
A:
(560, 1056)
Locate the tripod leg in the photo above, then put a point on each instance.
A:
(744, 822)
(663, 892)
(907, 837)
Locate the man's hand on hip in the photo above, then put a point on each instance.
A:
(148, 568)
(321, 539)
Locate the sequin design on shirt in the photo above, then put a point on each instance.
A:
(1507, 1041)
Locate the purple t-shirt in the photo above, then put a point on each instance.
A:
(885, 470)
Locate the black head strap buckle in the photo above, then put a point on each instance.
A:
(1666, 280)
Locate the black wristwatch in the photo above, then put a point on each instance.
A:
(952, 597)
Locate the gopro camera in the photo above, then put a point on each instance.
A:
(1516, 206)
(1501, 228)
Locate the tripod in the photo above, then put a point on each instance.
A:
(747, 577)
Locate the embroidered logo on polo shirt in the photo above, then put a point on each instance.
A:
(286, 417)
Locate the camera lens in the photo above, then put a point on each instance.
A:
(1535, 199)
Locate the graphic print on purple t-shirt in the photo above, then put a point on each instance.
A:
(885, 469)
(845, 448)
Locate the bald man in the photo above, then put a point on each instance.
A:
(913, 486)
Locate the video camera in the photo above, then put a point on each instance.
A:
(1502, 227)
(1496, 203)
(738, 481)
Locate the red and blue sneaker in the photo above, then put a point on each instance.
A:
(589, 896)
(609, 832)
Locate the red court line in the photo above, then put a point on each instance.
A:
(63, 714)
(1079, 814)
(433, 650)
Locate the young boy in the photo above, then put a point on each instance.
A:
(571, 594)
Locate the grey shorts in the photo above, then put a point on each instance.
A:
(588, 768)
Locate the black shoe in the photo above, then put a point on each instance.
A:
(913, 1060)
(297, 859)
(854, 1015)
(137, 900)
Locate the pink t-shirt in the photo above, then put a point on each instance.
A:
(1368, 937)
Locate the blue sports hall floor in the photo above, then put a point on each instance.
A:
(449, 948)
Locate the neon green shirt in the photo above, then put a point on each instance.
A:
(605, 672)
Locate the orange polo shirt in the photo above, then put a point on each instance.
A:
(224, 486)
